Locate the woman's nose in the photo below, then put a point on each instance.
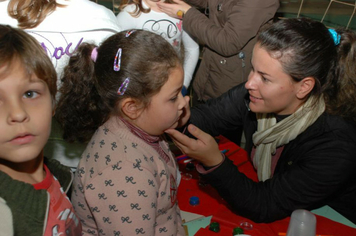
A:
(251, 81)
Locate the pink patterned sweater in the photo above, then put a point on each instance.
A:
(123, 187)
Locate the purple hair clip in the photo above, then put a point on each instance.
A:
(117, 61)
(128, 33)
(123, 87)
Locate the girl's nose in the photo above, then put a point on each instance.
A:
(183, 100)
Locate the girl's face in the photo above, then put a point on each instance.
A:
(271, 89)
(165, 107)
(25, 114)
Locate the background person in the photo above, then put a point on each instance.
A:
(226, 31)
(144, 14)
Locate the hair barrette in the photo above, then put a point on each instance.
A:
(121, 91)
(336, 37)
(117, 61)
(94, 54)
(128, 33)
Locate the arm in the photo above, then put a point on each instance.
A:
(191, 57)
(213, 118)
(242, 24)
(311, 181)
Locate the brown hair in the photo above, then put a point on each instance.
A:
(306, 48)
(89, 92)
(15, 44)
(30, 13)
(138, 6)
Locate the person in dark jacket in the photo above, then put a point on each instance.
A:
(299, 117)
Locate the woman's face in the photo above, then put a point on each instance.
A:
(271, 89)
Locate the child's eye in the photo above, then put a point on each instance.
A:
(30, 94)
(174, 98)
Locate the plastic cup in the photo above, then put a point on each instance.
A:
(302, 223)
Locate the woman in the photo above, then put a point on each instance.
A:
(298, 113)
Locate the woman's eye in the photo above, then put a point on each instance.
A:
(30, 94)
(264, 79)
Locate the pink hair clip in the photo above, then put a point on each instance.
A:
(128, 33)
(117, 61)
(94, 54)
(123, 87)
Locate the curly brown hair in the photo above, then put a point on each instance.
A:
(89, 89)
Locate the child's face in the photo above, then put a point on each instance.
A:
(165, 107)
(25, 114)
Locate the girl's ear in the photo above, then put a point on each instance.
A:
(54, 107)
(306, 86)
(131, 108)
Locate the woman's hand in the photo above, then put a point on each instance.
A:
(205, 149)
(173, 9)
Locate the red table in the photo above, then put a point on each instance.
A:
(211, 204)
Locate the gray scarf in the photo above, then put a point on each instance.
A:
(270, 134)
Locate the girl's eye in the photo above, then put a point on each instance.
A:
(174, 98)
(30, 94)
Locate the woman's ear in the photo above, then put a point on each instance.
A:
(131, 108)
(306, 86)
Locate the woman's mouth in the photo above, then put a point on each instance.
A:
(254, 99)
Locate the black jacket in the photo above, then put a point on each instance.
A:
(317, 168)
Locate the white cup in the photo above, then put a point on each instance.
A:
(302, 223)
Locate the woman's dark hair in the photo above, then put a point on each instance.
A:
(16, 44)
(306, 48)
(89, 92)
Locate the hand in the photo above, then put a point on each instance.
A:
(205, 149)
(186, 113)
(172, 9)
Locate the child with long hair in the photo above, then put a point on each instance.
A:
(122, 96)
(144, 14)
(32, 188)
